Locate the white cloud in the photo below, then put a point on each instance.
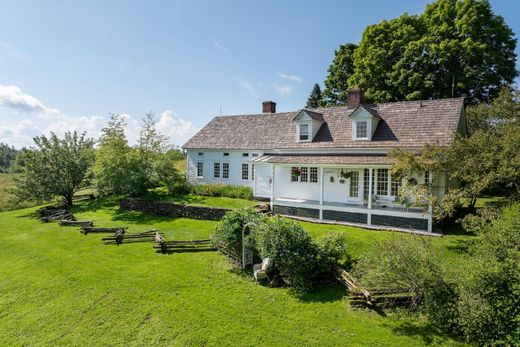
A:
(31, 117)
(220, 47)
(290, 77)
(8, 51)
(246, 85)
(12, 97)
(282, 89)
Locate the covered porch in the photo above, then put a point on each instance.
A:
(355, 189)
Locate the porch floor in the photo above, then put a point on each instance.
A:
(341, 204)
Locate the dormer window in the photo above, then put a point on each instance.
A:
(304, 132)
(361, 130)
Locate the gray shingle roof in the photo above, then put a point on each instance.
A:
(403, 124)
(353, 159)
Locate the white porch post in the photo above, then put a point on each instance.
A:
(322, 184)
(370, 191)
(272, 186)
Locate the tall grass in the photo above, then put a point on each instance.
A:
(223, 190)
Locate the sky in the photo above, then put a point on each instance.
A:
(68, 65)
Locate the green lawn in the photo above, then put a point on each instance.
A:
(190, 199)
(59, 287)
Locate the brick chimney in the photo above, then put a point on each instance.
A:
(268, 107)
(355, 97)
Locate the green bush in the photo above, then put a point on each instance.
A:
(180, 188)
(294, 256)
(227, 235)
(332, 247)
(223, 190)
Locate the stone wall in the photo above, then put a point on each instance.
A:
(170, 209)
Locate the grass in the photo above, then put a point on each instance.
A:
(6, 180)
(63, 288)
(198, 200)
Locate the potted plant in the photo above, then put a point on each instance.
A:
(345, 174)
(297, 172)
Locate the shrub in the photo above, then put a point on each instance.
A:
(293, 254)
(180, 188)
(227, 235)
(332, 247)
(223, 190)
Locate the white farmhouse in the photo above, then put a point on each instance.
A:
(328, 163)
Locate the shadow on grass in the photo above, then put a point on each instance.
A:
(138, 217)
(95, 205)
(426, 332)
(180, 199)
(461, 246)
(327, 292)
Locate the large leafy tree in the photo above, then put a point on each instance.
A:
(455, 48)
(339, 72)
(7, 156)
(486, 160)
(315, 100)
(119, 169)
(55, 167)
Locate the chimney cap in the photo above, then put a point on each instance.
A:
(268, 106)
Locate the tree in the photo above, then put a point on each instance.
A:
(455, 48)
(315, 100)
(339, 72)
(488, 159)
(56, 167)
(7, 157)
(119, 169)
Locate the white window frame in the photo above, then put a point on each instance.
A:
(225, 171)
(217, 172)
(357, 124)
(313, 174)
(245, 169)
(308, 130)
(200, 169)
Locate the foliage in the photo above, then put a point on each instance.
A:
(119, 168)
(407, 264)
(486, 160)
(230, 191)
(339, 72)
(227, 235)
(315, 99)
(167, 174)
(55, 167)
(293, 254)
(455, 48)
(332, 248)
(7, 156)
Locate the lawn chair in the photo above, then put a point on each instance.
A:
(260, 270)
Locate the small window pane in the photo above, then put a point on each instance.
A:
(200, 169)
(252, 171)
(366, 183)
(226, 154)
(361, 130)
(245, 171)
(216, 170)
(395, 185)
(427, 177)
(294, 174)
(382, 181)
(304, 132)
(304, 174)
(354, 182)
(201, 153)
(225, 170)
(313, 174)
(245, 154)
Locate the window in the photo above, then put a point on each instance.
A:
(254, 155)
(304, 132)
(295, 174)
(361, 130)
(253, 172)
(226, 154)
(354, 182)
(313, 174)
(225, 170)
(382, 181)
(426, 177)
(245, 154)
(200, 169)
(395, 185)
(245, 171)
(216, 170)
(366, 183)
(201, 154)
(304, 174)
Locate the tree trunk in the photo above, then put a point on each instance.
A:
(68, 199)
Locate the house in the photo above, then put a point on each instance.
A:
(328, 163)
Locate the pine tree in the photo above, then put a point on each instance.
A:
(315, 100)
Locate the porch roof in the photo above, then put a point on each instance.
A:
(342, 159)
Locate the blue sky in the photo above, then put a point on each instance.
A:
(67, 64)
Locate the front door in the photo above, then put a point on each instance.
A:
(354, 187)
